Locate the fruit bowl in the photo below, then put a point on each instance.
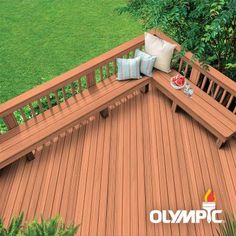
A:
(178, 82)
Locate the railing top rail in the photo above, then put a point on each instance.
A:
(69, 76)
(210, 72)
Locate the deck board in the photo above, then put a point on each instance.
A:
(109, 174)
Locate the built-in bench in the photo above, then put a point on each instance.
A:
(22, 140)
(203, 108)
(65, 103)
(213, 103)
(40, 115)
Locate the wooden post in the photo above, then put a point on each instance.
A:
(194, 76)
(91, 80)
(104, 113)
(219, 143)
(145, 89)
(10, 121)
(174, 107)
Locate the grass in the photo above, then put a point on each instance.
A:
(41, 39)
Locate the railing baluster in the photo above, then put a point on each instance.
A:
(40, 106)
(57, 97)
(180, 65)
(203, 82)
(91, 79)
(223, 96)
(22, 114)
(64, 93)
(230, 100)
(48, 101)
(101, 73)
(72, 89)
(194, 76)
(32, 110)
(114, 66)
(210, 86)
(216, 91)
(79, 85)
(107, 70)
(133, 53)
(186, 70)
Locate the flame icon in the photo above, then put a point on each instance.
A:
(209, 203)
(209, 196)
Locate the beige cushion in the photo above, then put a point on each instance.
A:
(161, 49)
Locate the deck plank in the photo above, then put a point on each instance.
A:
(154, 159)
(97, 180)
(66, 191)
(61, 176)
(142, 217)
(80, 205)
(163, 173)
(110, 208)
(70, 215)
(90, 180)
(126, 214)
(57, 167)
(119, 175)
(147, 167)
(175, 166)
(46, 180)
(104, 180)
(134, 225)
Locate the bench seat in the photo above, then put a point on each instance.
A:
(24, 138)
(203, 108)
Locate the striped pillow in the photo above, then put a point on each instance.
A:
(128, 68)
(147, 62)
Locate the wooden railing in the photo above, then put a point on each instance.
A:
(210, 80)
(36, 101)
(52, 93)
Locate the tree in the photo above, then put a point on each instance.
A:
(205, 27)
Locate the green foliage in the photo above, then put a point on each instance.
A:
(2, 229)
(14, 229)
(228, 228)
(15, 226)
(51, 227)
(205, 27)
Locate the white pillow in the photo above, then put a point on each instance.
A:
(161, 49)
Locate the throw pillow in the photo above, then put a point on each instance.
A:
(147, 62)
(162, 49)
(128, 68)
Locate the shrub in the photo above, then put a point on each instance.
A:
(228, 228)
(50, 227)
(206, 27)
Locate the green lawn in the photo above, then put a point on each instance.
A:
(43, 38)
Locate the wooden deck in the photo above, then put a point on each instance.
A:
(108, 175)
